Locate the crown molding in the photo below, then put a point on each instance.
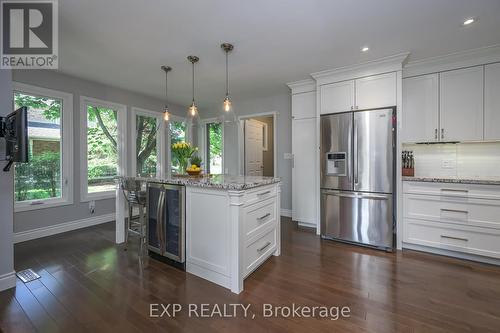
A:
(467, 58)
(302, 86)
(384, 65)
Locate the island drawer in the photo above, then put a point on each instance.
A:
(259, 216)
(260, 193)
(259, 250)
(473, 212)
(472, 240)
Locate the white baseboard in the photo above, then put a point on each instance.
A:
(307, 225)
(7, 281)
(454, 254)
(286, 212)
(27, 235)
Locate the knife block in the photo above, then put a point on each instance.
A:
(408, 172)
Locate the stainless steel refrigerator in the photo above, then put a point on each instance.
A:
(357, 177)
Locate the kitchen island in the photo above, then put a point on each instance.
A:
(232, 225)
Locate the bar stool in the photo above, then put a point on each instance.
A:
(135, 195)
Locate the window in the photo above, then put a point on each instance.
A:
(103, 147)
(178, 133)
(214, 148)
(147, 128)
(45, 181)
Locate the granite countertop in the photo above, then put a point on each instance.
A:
(482, 181)
(223, 182)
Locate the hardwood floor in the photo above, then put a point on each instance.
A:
(89, 284)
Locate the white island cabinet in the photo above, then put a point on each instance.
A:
(232, 225)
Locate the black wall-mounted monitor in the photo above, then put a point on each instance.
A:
(15, 131)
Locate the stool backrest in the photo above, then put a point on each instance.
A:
(133, 190)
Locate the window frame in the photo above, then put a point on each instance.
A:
(121, 110)
(204, 142)
(67, 130)
(160, 139)
(168, 141)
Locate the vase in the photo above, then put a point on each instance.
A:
(183, 164)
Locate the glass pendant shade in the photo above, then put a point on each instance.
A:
(166, 114)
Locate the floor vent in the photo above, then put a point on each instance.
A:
(27, 275)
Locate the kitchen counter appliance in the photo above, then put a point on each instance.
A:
(357, 177)
(166, 221)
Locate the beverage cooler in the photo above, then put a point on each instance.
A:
(166, 222)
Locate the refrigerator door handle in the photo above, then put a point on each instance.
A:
(355, 148)
(374, 197)
(339, 194)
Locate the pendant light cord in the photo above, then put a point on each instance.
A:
(166, 86)
(227, 77)
(193, 81)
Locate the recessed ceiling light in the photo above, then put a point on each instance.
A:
(365, 48)
(468, 21)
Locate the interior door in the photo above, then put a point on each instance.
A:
(304, 161)
(254, 164)
(373, 150)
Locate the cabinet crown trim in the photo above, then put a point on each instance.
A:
(384, 65)
(302, 86)
(468, 58)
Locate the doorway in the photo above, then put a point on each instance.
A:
(259, 146)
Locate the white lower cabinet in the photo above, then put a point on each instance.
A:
(461, 218)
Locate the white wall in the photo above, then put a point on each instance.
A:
(29, 220)
(280, 103)
(7, 279)
(476, 160)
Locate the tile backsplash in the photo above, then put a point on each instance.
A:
(478, 160)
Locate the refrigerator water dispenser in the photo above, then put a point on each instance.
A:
(336, 164)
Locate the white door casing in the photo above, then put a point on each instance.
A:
(253, 147)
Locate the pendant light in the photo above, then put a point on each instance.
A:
(227, 116)
(192, 113)
(166, 113)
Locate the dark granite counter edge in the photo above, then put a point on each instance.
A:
(452, 180)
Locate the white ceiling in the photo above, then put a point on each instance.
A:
(124, 43)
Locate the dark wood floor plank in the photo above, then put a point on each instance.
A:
(95, 284)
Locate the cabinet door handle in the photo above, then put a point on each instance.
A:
(454, 210)
(454, 190)
(263, 247)
(442, 133)
(352, 107)
(436, 133)
(263, 217)
(263, 193)
(456, 238)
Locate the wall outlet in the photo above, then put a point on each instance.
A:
(92, 206)
(448, 164)
(288, 156)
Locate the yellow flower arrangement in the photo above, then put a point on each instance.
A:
(182, 152)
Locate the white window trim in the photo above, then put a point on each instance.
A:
(122, 146)
(67, 148)
(202, 138)
(160, 139)
(168, 150)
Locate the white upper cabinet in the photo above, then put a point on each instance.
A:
(337, 97)
(461, 104)
(492, 102)
(376, 91)
(304, 105)
(420, 109)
